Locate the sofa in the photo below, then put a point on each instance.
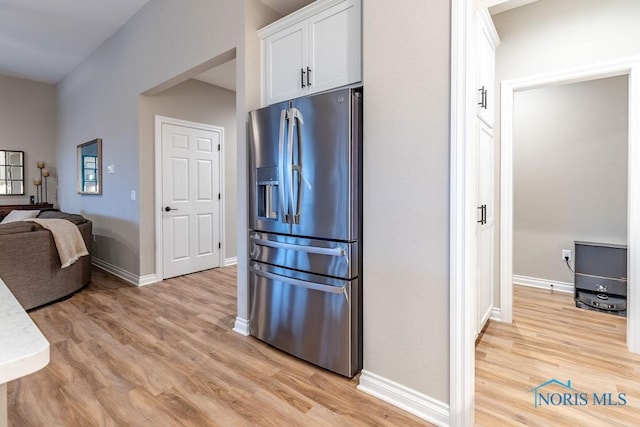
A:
(30, 265)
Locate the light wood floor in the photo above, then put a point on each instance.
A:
(165, 355)
(550, 338)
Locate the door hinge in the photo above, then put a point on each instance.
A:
(219, 245)
(219, 196)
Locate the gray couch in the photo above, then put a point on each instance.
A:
(30, 265)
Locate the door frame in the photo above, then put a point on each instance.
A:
(462, 258)
(626, 66)
(159, 121)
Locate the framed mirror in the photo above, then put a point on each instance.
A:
(11, 173)
(90, 167)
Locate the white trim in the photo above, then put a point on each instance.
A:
(462, 305)
(416, 403)
(230, 261)
(486, 23)
(534, 282)
(624, 66)
(127, 276)
(148, 279)
(241, 326)
(159, 121)
(633, 213)
(495, 314)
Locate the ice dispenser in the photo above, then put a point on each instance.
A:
(267, 192)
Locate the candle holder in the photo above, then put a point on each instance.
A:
(40, 165)
(45, 174)
(38, 184)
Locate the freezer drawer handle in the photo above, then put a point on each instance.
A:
(303, 284)
(308, 249)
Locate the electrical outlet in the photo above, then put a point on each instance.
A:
(566, 254)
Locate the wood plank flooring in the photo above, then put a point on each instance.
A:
(551, 338)
(165, 355)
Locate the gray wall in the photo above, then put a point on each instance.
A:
(550, 35)
(569, 172)
(199, 102)
(100, 99)
(28, 123)
(406, 193)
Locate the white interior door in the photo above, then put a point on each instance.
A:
(485, 223)
(190, 199)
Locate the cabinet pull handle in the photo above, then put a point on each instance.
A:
(308, 76)
(483, 97)
(483, 215)
(302, 78)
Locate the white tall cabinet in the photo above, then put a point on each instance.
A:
(486, 43)
(312, 50)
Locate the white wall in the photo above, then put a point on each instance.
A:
(197, 102)
(406, 50)
(28, 123)
(550, 35)
(569, 172)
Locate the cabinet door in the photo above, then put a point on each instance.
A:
(285, 57)
(485, 221)
(335, 47)
(486, 45)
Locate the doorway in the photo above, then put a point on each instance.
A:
(462, 360)
(631, 68)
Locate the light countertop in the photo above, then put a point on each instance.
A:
(23, 348)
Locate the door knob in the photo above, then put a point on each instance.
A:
(167, 209)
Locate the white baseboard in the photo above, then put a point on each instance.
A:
(543, 283)
(241, 326)
(495, 314)
(230, 261)
(418, 404)
(123, 274)
(148, 280)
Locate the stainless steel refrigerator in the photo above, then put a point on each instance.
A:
(305, 272)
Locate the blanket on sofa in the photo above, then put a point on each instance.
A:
(67, 237)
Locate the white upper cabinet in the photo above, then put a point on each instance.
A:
(284, 59)
(312, 50)
(487, 42)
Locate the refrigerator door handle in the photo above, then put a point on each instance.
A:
(300, 248)
(281, 181)
(296, 118)
(289, 162)
(303, 283)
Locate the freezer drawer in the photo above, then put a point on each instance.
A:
(311, 317)
(325, 257)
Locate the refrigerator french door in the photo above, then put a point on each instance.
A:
(306, 201)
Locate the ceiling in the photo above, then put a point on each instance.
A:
(285, 7)
(45, 40)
